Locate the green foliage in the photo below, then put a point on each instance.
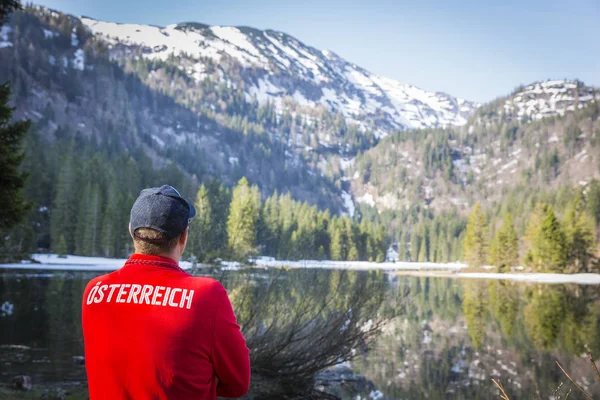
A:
(593, 200)
(475, 243)
(84, 203)
(544, 314)
(12, 181)
(548, 246)
(504, 251)
(60, 247)
(504, 303)
(474, 307)
(424, 235)
(6, 7)
(200, 239)
(580, 235)
(242, 222)
(65, 208)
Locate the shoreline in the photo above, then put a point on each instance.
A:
(52, 262)
(526, 277)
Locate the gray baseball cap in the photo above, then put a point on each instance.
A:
(162, 209)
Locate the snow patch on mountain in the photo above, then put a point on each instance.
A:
(79, 60)
(348, 203)
(551, 98)
(48, 34)
(74, 39)
(4, 31)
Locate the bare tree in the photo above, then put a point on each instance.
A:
(301, 322)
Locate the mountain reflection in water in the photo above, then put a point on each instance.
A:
(447, 339)
(457, 335)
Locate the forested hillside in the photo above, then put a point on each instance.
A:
(540, 145)
(64, 82)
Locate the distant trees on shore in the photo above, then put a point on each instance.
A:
(549, 245)
(83, 198)
(278, 227)
(14, 207)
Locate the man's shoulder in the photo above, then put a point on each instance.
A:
(207, 292)
(203, 283)
(105, 279)
(96, 280)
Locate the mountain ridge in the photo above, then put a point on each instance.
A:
(372, 101)
(543, 135)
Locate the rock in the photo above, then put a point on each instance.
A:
(79, 360)
(15, 347)
(55, 394)
(22, 382)
(342, 382)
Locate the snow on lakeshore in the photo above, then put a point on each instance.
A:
(580, 279)
(53, 262)
(358, 265)
(79, 263)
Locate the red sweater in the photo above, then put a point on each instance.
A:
(152, 331)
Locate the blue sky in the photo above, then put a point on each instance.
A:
(478, 50)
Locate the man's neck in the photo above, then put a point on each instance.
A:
(171, 256)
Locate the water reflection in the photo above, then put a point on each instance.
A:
(458, 334)
(300, 322)
(296, 323)
(447, 341)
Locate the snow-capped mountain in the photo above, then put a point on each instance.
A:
(550, 98)
(541, 135)
(288, 68)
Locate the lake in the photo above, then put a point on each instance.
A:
(443, 337)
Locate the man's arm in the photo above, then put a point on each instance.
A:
(230, 356)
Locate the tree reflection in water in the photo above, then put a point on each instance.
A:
(298, 324)
(457, 335)
(447, 340)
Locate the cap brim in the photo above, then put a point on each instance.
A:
(192, 210)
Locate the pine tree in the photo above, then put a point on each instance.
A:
(108, 232)
(475, 245)
(415, 243)
(550, 250)
(352, 252)
(593, 200)
(338, 241)
(220, 199)
(61, 246)
(272, 227)
(352, 235)
(242, 221)
(580, 235)
(201, 229)
(380, 244)
(82, 221)
(504, 251)
(63, 215)
(402, 247)
(422, 252)
(14, 207)
(93, 221)
(366, 244)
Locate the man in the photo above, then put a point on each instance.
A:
(152, 331)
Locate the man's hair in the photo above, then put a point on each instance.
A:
(152, 242)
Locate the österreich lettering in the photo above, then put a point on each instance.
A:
(132, 293)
